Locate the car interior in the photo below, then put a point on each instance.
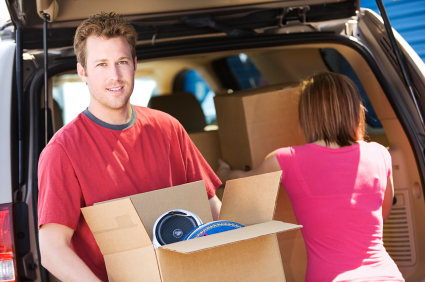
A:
(184, 87)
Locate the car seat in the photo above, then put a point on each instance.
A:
(182, 106)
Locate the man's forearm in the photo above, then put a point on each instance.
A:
(58, 257)
(67, 266)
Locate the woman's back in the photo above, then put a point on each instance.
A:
(337, 196)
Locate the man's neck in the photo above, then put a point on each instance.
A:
(112, 116)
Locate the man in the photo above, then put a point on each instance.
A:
(111, 150)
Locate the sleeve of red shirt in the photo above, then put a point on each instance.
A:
(197, 167)
(60, 197)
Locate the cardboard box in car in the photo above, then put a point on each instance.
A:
(208, 144)
(253, 123)
(123, 230)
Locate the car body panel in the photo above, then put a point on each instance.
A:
(7, 58)
(406, 149)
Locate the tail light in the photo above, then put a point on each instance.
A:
(7, 257)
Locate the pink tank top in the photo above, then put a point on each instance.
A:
(337, 196)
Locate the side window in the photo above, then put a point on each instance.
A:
(71, 96)
(191, 81)
(338, 64)
(245, 72)
(144, 89)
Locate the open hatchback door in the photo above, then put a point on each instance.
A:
(211, 49)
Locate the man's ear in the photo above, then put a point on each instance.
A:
(81, 72)
(135, 65)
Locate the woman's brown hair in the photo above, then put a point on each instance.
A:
(330, 109)
(104, 25)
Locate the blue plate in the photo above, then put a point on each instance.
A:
(211, 228)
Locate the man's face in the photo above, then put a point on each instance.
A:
(109, 72)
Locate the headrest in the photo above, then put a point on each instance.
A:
(182, 106)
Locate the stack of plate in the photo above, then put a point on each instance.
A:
(211, 228)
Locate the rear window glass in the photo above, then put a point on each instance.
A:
(245, 72)
(193, 82)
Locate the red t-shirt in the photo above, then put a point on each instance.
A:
(89, 161)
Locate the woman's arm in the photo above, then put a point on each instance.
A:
(270, 164)
(388, 198)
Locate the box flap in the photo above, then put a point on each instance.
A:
(229, 237)
(116, 226)
(135, 265)
(191, 196)
(252, 260)
(251, 200)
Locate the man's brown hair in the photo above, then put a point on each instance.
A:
(330, 109)
(104, 25)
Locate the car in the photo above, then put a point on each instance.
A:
(188, 53)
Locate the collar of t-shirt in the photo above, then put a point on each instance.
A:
(112, 126)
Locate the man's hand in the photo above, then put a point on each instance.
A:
(58, 257)
(215, 205)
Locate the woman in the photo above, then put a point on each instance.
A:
(340, 186)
